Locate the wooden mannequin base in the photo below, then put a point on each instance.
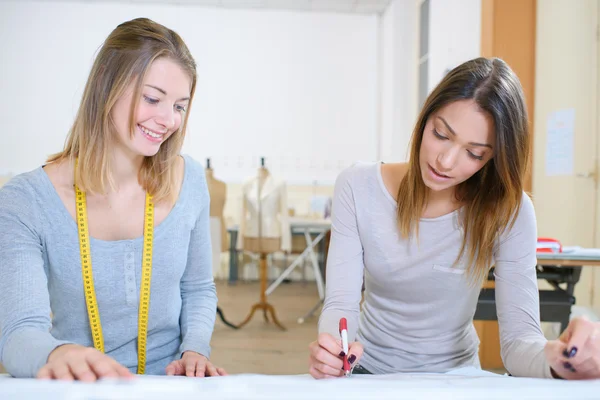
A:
(263, 304)
(267, 309)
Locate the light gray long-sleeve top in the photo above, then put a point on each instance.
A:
(418, 310)
(40, 272)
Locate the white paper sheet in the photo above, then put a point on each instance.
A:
(581, 251)
(460, 384)
(559, 142)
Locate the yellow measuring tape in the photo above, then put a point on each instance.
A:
(88, 279)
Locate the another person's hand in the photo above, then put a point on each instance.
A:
(576, 354)
(326, 355)
(194, 364)
(74, 362)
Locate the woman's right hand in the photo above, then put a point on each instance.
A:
(74, 362)
(326, 355)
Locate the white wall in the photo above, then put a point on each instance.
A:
(566, 77)
(399, 78)
(297, 88)
(454, 36)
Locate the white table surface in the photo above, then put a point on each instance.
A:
(460, 384)
(572, 253)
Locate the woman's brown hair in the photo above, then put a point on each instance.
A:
(492, 197)
(125, 57)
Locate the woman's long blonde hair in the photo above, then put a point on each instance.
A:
(492, 196)
(125, 57)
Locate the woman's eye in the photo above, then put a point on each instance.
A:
(475, 156)
(150, 100)
(438, 135)
(180, 108)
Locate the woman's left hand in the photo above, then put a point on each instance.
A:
(576, 354)
(194, 364)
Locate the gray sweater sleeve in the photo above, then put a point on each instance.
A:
(517, 297)
(345, 264)
(24, 301)
(198, 293)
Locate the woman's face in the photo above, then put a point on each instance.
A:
(458, 141)
(160, 111)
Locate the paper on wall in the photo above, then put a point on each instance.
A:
(560, 142)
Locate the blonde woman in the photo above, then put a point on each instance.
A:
(425, 234)
(111, 235)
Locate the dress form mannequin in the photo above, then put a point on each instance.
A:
(217, 190)
(268, 232)
(218, 194)
(257, 242)
(261, 244)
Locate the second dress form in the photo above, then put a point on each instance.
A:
(264, 229)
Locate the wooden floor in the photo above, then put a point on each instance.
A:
(261, 347)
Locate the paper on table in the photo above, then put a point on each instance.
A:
(464, 384)
(581, 251)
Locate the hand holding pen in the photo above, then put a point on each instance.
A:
(327, 356)
(344, 334)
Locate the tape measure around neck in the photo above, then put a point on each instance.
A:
(88, 279)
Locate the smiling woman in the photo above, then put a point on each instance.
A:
(131, 81)
(117, 208)
(165, 97)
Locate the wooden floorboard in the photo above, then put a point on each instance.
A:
(261, 347)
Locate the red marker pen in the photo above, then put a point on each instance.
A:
(344, 335)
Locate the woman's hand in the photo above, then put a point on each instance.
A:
(194, 364)
(576, 354)
(326, 356)
(74, 362)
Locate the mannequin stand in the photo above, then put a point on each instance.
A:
(222, 316)
(263, 304)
